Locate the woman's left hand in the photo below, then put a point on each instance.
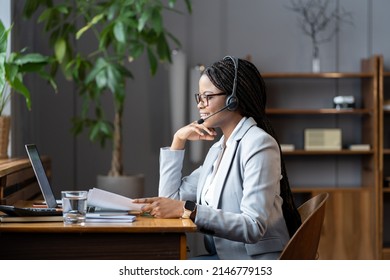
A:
(162, 207)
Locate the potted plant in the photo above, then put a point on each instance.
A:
(118, 32)
(12, 69)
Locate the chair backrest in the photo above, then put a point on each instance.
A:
(303, 245)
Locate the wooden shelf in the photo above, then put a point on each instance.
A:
(326, 153)
(350, 176)
(326, 75)
(329, 189)
(324, 111)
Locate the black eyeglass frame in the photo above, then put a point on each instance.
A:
(205, 97)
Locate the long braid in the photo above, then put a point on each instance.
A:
(251, 93)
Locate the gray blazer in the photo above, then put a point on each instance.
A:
(247, 222)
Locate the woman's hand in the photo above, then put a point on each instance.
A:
(161, 207)
(192, 132)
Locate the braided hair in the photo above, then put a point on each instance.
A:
(251, 94)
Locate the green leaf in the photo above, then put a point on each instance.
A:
(113, 78)
(189, 5)
(119, 32)
(3, 38)
(143, 20)
(63, 9)
(152, 61)
(93, 135)
(18, 86)
(82, 31)
(97, 68)
(29, 58)
(163, 49)
(45, 15)
(60, 49)
(30, 7)
(157, 21)
(136, 49)
(11, 70)
(105, 128)
(2, 72)
(101, 79)
(97, 18)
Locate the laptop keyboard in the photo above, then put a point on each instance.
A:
(29, 211)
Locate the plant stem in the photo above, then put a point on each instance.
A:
(116, 162)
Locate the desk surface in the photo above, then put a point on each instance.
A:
(142, 224)
(145, 238)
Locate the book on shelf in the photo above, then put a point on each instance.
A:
(359, 147)
(287, 147)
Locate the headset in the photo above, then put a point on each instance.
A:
(232, 100)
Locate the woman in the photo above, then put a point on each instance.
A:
(240, 197)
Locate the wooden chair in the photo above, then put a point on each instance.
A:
(303, 245)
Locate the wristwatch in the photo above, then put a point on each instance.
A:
(189, 207)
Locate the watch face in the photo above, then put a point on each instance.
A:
(190, 205)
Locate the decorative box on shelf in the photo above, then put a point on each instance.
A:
(322, 139)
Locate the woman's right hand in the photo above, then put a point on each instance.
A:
(192, 132)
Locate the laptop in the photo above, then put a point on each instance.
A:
(52, 208)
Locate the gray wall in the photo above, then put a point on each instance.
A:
(263, 29)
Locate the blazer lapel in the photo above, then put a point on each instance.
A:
(227, 160)
(223, 170)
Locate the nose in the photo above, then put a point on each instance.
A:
(200, 104)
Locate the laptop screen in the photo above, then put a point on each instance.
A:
(40, 174)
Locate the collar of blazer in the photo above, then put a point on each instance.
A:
(225, 164)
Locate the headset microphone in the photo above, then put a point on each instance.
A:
(200, 121)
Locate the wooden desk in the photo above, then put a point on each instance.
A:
(146, 238)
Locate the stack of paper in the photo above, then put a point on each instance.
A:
(108, 200)
(109, 218)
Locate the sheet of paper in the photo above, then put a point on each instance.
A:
(110, 218)
(108, 200)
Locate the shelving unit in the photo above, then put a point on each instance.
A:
(384, 159)
(297, 101)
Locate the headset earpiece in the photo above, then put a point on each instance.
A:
(232, 101)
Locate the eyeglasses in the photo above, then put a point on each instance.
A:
(204, 98)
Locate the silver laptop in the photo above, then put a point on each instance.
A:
(40, 174)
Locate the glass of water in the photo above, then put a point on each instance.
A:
(74, 207)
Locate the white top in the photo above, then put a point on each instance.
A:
(208, 190)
